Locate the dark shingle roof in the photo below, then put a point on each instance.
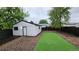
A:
(28, 22)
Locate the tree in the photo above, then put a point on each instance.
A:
(57, 14)
(9, 16)
(43, 21)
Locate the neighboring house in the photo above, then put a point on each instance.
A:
(25, 28)
(44, 25)
(77, 24)
(69, 24)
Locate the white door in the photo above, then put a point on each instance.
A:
(24, 31)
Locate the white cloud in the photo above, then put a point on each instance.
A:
(37, 13)
(74, 14)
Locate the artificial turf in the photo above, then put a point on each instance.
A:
(52, 41)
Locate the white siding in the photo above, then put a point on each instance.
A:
(77, 25)
(68, 25)
(32, 30)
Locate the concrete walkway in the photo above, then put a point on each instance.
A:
(20, 44)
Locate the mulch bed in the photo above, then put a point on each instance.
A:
(71, 38)
(20, 44)
(3, 41)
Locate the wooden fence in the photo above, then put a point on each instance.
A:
(70, 30)
(4, 34)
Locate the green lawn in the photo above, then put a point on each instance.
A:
(52, 41)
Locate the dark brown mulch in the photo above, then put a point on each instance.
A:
(20, 44)
(71, 38)
(3, 41)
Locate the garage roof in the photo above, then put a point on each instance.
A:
(28, 22)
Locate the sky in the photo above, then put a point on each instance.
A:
(74, 17)
(38, 13)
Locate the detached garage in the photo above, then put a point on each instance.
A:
(25, 28)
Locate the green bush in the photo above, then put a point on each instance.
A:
(43, 21)
(9, 16)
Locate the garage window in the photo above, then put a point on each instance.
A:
(15, 28)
